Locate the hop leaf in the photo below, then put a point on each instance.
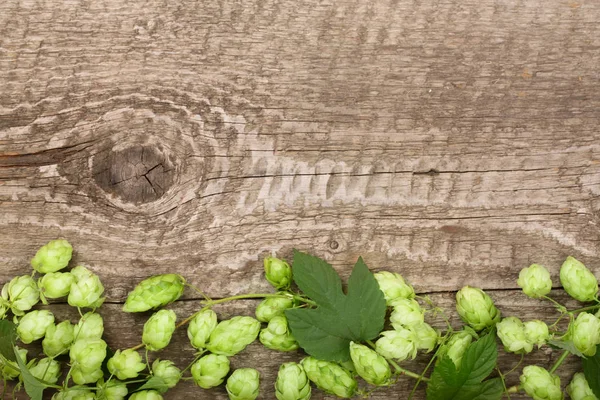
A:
(158, 330)
(476, 308)
(535, 281)
(53, 256)
(292, 383)
(154, 292)
(578, 281)
(540, 384)
(233, 335)
(330, 377)
(243, 384)
(200, 328)
(210, 370)
(372, 367)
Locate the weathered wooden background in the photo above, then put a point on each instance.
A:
(455, 142)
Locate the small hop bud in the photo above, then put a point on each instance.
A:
(158, 330)
(210, 370)
(406, 312)
(74, 394)
(88, 354)
(90, 326)
(579, 389)
(578, 281)
(58, 339)
(33, 325)
(277, 336)
(21, 294)
(271, 307)
(476, 308)
(111, 390)
(154, 292)
(200, 328)
(427, 337)
(46, 369)
(233, 335)
(393, 286)
(399, 344)
(126, 364)
(167, 371)
(83, 376)
(86, 290)
(511, 332)
(292, 383)
(330, 377)
(146, 395)
(278, 272)
(372, 367)
(243, 384)
(10, 369)
(455, 347)
(55, 285)
(585, 333)
(540, 384)
(535, 281)
(52, 257)
(536, 332)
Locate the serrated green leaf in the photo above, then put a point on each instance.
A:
(358, 315)
(155, 383)
(591, 370)
(566, 345)
(479, 360)
(33, 387)
(8, 336)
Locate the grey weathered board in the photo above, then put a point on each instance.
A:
(452, 141)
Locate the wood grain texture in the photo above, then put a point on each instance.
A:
(452, 141)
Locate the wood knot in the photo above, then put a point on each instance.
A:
(136, 174)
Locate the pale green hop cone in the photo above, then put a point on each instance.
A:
(292, 383)
(535, 281)
(578, 281)
(74, 394)
(158, 330)
(406, 312)
(233, 335)
(146, 395)
(167, 371)
(277, 335)
(55, 285)
(126, 364)
(427, 336)
(10, 369)
(210, 370)
(243, 384)
(585, 333)
(330, 377)
(278, 272)
(154, 292)
(33, 325)
(53, 256)
(536, 332)
(83, 376)
(90, 326)
(372, 367)
(88, 354)
(20, 294)
(456, 346)
(58, 339)
(540, 384)
(272, 307)
(511, 332)
(399, 344)
(112, 390)
(200, 328)
(46, 369)
(394, 286)
(476, 308)
(579, 388)
(86, 290)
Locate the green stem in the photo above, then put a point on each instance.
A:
(560, 307)
(503, 382)
(585, 309)
(560, 360)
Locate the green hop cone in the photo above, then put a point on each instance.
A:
(372, 367)
(10, 369)
(90, 326)
(74, 394)
(511, 332)
(277, 335)
(393, 286)
(158, 330)
(210, 370)
(146, 395)
(167, 371)
(243, 384)
(86, 290)
(126, 364)
(55, 285)
(476, 308)
(52, 257)
(278, 272)
(585, 333)
(58, 339)
(535, 281)
(83, 376)
(578, 281)
(579, 389)
(271, 307)
(88, 354)
(399, 344)
(406, 312)
(33, 325)
(427, 336)
(111, 390)
(200, 328)
(46, 369)
(233, 335)
(540, 384)
(455, 347)
(154, 292)
(536, 332)
(292, 383)
(330, 377)
(20, 294)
